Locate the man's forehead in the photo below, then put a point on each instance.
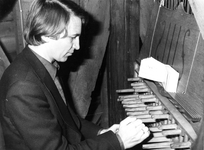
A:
(75, 25)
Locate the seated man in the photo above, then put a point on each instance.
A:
(35, 113)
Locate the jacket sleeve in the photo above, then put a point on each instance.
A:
(28, 109)
(85, 126)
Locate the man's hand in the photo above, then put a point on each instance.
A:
(132, 131)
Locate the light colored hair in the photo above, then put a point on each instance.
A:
(50, 18)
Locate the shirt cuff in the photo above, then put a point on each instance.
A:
(99, 132)
(120, 141)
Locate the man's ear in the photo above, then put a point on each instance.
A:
(46, 39)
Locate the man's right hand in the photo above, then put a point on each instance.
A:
(132, 131)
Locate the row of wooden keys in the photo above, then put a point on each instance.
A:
(141, 102)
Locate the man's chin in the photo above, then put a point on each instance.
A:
(64, 59)
(69, 54)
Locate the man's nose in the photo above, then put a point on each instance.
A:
(76, 44)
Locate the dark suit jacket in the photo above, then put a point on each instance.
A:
(35, 117)
(2, 143)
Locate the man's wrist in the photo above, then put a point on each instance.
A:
(120, 141)
(101, 131)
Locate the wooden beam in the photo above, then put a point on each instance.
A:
(122, 52)
(197, 8)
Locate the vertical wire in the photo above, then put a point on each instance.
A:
(161, 3)
(196, 48)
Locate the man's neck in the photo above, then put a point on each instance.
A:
(41, 50)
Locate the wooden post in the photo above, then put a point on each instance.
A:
(122, 51)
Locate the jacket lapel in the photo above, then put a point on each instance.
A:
(46, 79)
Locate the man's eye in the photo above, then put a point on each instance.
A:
(72, 37)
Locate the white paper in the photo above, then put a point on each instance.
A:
(153, 69)
(172, 80)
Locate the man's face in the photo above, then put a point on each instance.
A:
(64, 47)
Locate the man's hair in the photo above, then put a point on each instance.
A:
(50, 18)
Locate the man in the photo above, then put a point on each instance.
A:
(34, 111)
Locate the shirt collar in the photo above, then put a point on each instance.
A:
(51, 67)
